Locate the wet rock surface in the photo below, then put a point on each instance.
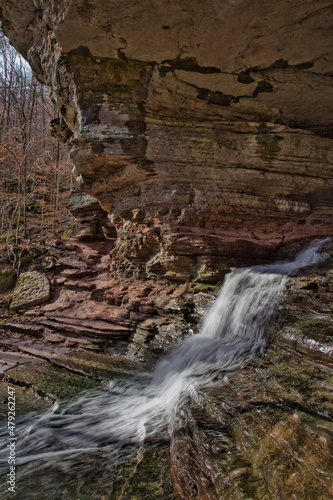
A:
(263, 432)
(266, 431)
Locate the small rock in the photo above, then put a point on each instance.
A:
(32, 313)
(74, 273)
(72, 263)
(60, 281)
(53, 337)
(71, 341)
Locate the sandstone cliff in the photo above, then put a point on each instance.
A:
(204, 129)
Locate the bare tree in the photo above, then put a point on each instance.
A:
(30, 159)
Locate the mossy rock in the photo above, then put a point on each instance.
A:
(31, 289)
(70, 231)
(209, 275)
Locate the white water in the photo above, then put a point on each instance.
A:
(233, 331)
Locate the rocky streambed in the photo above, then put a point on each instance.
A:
(262, 432)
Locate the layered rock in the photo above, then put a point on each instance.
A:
(262, 432)
(266, 431)
(204, 130)
(89, 215)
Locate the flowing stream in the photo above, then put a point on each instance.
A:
(127, 413)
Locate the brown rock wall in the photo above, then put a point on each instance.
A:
(204, 130)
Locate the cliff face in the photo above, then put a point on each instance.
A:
(203, 128)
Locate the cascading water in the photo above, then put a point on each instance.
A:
(124, 415)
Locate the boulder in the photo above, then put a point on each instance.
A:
(31, 289)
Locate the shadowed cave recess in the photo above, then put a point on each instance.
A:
(203, 129)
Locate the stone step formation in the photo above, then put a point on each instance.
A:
(264, 431)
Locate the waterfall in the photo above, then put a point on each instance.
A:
(127, 413)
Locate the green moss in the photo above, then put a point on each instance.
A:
(203, 287)
(7, 281)
(210, 275)
(146, 475)
(47, 379)
(70, 230)
(143, 354)
(30, 403)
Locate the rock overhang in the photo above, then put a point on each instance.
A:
(214, 120)
(242, 49)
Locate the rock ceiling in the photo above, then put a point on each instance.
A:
(203, 128)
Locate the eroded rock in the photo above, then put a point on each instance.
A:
(204, 131)
(89, 215)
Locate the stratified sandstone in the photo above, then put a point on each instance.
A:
(89, 215)
(204, 129)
